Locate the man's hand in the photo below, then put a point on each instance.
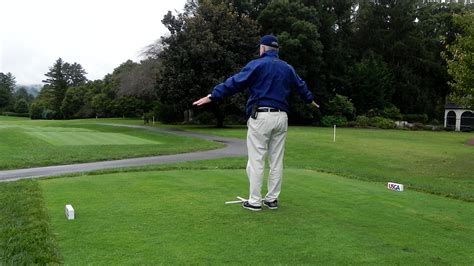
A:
(203, 100)
(313, 103)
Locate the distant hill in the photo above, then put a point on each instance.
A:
(31, 89)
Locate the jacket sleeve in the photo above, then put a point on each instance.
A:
(302, 88)
(236, 83)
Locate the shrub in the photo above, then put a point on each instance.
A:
(391, 112)
(362, 121)
(204, 118)
(341, 106)
(73, 102)
(417, 126)
(381, 122)
(416, 118)
(330, 120)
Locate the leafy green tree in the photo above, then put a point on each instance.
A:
(140, 80)
(46, 96)
(36, 110)
(436, 25)
(91, 89)
(128, 106)
(251, 8)
(460, 59)
(296, 27)
(208, 42)
(21, 106)
(101, 104)
(7, 85)
(73, 101)
(100, 95)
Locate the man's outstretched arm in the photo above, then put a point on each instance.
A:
(232, 85)
(203, 101)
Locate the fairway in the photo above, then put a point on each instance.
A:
(179, 217)
(88, 138)
(30, 143)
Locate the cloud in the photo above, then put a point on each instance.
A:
(99, 35)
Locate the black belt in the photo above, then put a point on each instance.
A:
(268, 110)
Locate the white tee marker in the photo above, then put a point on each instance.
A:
(69, 211)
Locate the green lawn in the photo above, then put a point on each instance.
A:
(434, 162)
(25, 143)
(179, 217)
(335, 207)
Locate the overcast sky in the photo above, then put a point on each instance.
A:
(98, 34)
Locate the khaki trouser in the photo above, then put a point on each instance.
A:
(266, 137)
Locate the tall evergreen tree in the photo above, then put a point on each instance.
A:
(61, 76)
(57, 83)
(336, 32)
(7, 86)
(74, 74)
(389, 28)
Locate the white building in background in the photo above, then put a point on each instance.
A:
(450, 1)
(458, 118)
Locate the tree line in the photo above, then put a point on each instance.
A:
(369, 58)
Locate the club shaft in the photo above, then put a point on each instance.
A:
(233, 202)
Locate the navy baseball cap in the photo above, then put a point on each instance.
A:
(269, 40)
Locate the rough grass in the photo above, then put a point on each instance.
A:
(434, 162)
(25, 232)
(179, 217)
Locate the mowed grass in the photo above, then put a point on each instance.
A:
(329, 214)
(179, 217)
(435, 162)
(26, 143)
(90, 138)
(25, 231)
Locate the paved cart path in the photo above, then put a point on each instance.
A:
(234, 148)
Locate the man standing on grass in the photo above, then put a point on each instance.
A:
(270, 81)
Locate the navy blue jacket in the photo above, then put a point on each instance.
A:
(270, 81)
